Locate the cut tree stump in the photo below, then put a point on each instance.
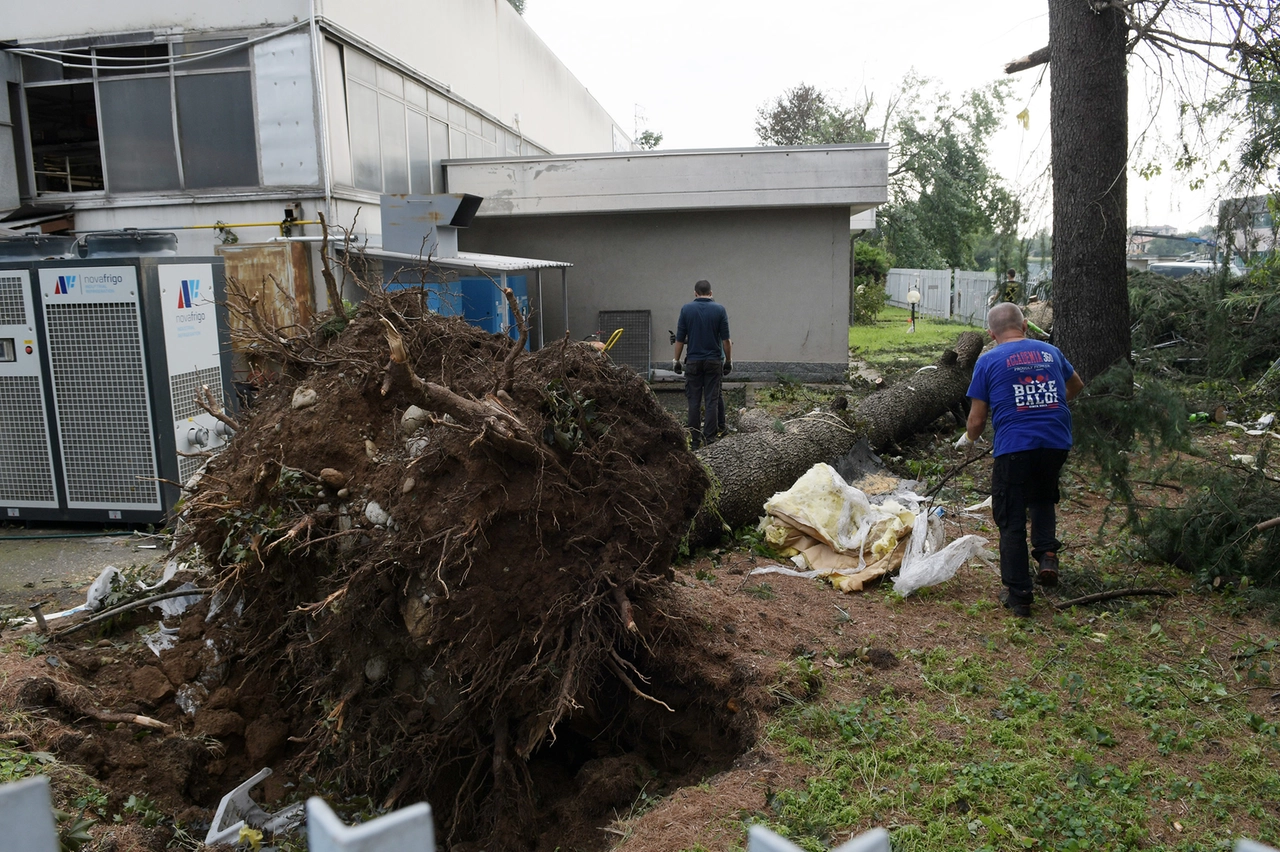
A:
(751, 467)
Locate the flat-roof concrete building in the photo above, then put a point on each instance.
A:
(768, 227)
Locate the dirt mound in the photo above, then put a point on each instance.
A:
(440, 596)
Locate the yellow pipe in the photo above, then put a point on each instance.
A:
(281, 224)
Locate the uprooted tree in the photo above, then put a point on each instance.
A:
(750, 468)
(452, 557)
(442, 592)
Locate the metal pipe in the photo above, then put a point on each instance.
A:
(564, 296)
(283, 223)
(542, 339)
(41, 624)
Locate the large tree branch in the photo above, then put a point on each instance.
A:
(1031, 60)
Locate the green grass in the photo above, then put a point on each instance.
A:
(1086, 734)
(889, 336)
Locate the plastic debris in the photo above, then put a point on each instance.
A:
(100, 588)
(237, 810)
(830, 529)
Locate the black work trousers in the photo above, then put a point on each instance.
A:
(702, 392)
(1025, 484)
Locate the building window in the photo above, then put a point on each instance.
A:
(394, 132)
(65, 148)
(145, 118)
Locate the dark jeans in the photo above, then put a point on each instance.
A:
(1025, 484)
(702, 392)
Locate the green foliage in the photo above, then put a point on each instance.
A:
(649, 139)
(16, 764)
(1211, 532)
(73, 832)
(943, 193)
(128, 585)
(1115, 415)
(518, 5)
(142, 808)
(1205, 327)
(571, 417)
(871, 265)
(805, 115)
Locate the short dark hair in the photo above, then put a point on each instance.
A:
(702, 288)
(1012, 273)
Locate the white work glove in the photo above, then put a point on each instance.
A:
(963, 441)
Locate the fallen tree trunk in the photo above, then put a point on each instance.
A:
(751, 467)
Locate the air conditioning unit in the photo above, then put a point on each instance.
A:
(101, 359)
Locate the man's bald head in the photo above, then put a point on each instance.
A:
(1003, 318)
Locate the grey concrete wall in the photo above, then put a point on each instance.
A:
(782, 274)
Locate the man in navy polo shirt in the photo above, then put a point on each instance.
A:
(1025, 385)
(704, 327)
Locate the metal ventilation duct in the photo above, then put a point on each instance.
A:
(36, 247)
(422, 225)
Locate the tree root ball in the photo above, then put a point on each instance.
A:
(550, 493)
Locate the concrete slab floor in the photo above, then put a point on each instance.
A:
(55, 565)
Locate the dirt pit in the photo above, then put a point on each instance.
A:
(702, 711)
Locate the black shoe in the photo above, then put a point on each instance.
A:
(1022, 609)
(1048, 575)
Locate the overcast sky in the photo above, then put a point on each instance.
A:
(697, 71)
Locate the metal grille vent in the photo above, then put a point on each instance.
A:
(184, 386)
(104, 421)
(25, 471)
(632, 348)
(12, 306)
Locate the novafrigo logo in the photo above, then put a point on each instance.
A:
(189, 292)
(65, 283)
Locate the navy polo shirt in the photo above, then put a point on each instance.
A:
(703, 324)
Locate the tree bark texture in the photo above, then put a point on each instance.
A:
(751, 467)
(1088, 106)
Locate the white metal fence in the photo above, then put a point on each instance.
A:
(934, 286)
(944, 293)
(972, 296)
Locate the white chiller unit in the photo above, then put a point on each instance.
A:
(101, 359)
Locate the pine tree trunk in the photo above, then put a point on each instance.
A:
(751, 467)
(1088, 107)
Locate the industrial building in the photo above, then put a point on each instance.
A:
(220, 122)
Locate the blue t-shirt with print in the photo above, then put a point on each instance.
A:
(1024, 383)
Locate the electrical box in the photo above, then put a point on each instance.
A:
(98, 413)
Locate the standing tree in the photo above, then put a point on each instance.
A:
(1088, 114)
(806, 116)
(943, 193)
(1089, 41)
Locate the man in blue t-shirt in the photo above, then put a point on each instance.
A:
(1025, 385)
(704, 327)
